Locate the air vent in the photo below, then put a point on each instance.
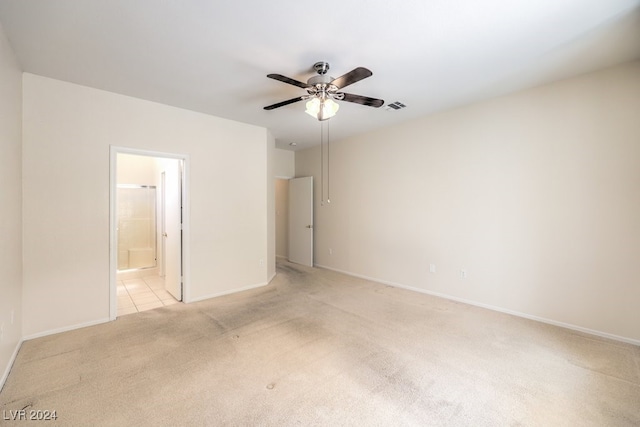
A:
(395, 106)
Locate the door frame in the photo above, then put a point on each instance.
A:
(163, 222)
(113, 220)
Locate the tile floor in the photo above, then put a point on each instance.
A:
(146, 293)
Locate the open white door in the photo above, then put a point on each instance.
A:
(172, 227)
(301, 220)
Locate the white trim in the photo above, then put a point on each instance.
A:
(113, 250)
(186, 229)
(219, 294)
(491, 307)
(66, 329)
(12, 359)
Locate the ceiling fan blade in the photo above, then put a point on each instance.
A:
(351, 77)
(288, 80)
(283, 103)
(364, 100)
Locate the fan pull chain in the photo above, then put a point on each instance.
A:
(321, 165)
(328, 166)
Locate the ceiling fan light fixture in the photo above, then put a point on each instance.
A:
(313, 107)
(322, 109)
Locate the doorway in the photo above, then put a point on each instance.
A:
(161, 279)
(301, 220)
(294, 219)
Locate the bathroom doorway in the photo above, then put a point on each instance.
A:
(148, 230)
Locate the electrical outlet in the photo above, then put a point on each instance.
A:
(13, 312)
(261, 262)
(463, 274)
(330, 251)
(432, 268)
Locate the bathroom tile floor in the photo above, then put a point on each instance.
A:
(146, 293)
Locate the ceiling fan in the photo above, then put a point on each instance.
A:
(323, 90)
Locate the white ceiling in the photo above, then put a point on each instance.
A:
(213, 56)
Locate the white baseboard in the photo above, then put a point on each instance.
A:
(105, 320)
(491, 307)
(12, 359)
(233, 291)
(66, 329)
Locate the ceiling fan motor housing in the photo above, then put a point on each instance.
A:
(323, 79)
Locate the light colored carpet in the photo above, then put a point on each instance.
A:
(319, 348)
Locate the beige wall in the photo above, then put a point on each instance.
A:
(138, 170)
(10, 206)
(271, 206)
(282, 218)
(536, 195)
(284, 169)
(67, 133)
(284, 163)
